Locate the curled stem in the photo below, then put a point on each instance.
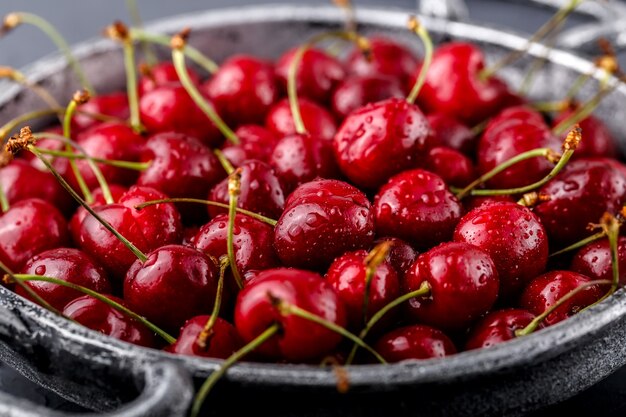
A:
(416, 27)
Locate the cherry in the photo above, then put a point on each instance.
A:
(358, 90)
(401, 255)
(547, 289)
(513, 236)
(448, 131)
(114, 105)
(28, 228)
(317, 75)
(174, 284)
(243, 89)
(223, 341)
(70, 265)
(416, 206)
(455, 168)
(380, 140)
(597, 141)
(161, 74)
(474, 202)
(255, 142)
(98, 199)
(322, 220)
(260, 191)
(594, 260)
(521, 113)
(317, 120)
(580, 195)
(299, 339)
(498, 327)
(414, 342)
(103, 318)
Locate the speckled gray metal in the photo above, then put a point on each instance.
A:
(102, 373)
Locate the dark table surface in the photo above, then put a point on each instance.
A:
(80, 20)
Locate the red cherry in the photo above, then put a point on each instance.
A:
(103, 318)
(418, 207)
(597, 139)
(448, 131)
(521, 113)
(114, 105)
(357, 91)
(380, 140)
(463, 285)
(414, 342)
(545, 290)
(498, 327)
(256, 142)
(401, 255)
(28, 228)
(69, 265)
(473, 202)
(513, 236)
(223, 341)
(452, 166)
(322, 220)
(162, 74)
(317, 120)
(173, 285)
(299, 339)
(243, 89)
(594, 260)
(98, 200)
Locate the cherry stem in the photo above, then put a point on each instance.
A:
(178, 57)
(539, 62)
(20, 78)
(583, 112)
(608, 63)
(4, 201)
(348, 8)
(206, 332)
(135, 17)
(234, 189)
(228, 167)
(248, 213)
(372, 261)
(552, 24)
(580, 243)
(210, 382)
(423, 290)
(416, 27)
(27, 289)
(534, 324)
(550, 106)
(113, 304)
(118, 163)
(14, 19)
(79, 97)
(611, 225)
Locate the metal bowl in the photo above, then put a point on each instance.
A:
(102, 374)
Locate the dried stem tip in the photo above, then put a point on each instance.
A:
(8, 72)
(608, 63)
(117, 31)
(21, 141)
(553, 156)
(7, 280)
(179, 41)
(573, 138)
(533, 198)
(413, 24)
(378, 254)
(234, 183)
(343, 3)
(5, 157)
(10, 21)
(81, 97)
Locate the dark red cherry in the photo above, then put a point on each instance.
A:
(414, 342)
(401, 255)
(521, 113)
(453, 85)
(103, 318)
(513, 236)
(473, 202)
(614, 163)
(498, 327)
(358, 90)
(322, 220)
(297, 159)
(317, 120)
(580, 195)
(418, 207)
(597, 139)
(299, 339)
(452, 166)
(545, 290)
(260, 191)
(161, 74)
(317, 75)
(222, 342)
(380, 140)
(116, 192)
(463, 285)
(594, 260)
(69, 265)
(347, 275)
(28, 228)
(169, 108)
(114, 105)
(447, 131)
(255, 142)
(173, 285)
(243, 89)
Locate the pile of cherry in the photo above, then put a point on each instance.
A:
(354, 226)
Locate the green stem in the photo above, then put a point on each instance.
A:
(372, 261)
(421, 31)
(131, 85)
(21, 79)
(67, 127)
(135, 16)
(204, 335)
(234, 185)
(550, 106)
(210, 382)
(588, 108)
(580, 243)
(135, 166)
(11, 125)
(4, 201)
(28, 290)
(577, 85)
(228, 167)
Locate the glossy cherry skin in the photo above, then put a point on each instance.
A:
(297, 159)
(317, 75)
(451, 165)
(545, 290)
(463, 284)
(387, 57)
(260, 191)
(401, 255)
(498, 327)
(98, 200)
(103, 318)
(416, 206)
(255, 142)
(322, 220)
(317, 120)
(173, 285)
(169, 108)
(520, 113)
(223, 341)
(473, 202)
(597, 139)
(594, 260)
(114, 105)
(28, 228)
(347, 275)
(299, 339)
(414, 342)
(447, 131)
(358, 90)
(513, 236)
(380, 140)
(161, 74)
(580, 195)
(69, 265)
(243, 89)
(453, 85)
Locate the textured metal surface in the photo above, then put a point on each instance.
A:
(526, 373)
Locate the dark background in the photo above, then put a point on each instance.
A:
(79, 20)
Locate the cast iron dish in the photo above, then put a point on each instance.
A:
(102, 373)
